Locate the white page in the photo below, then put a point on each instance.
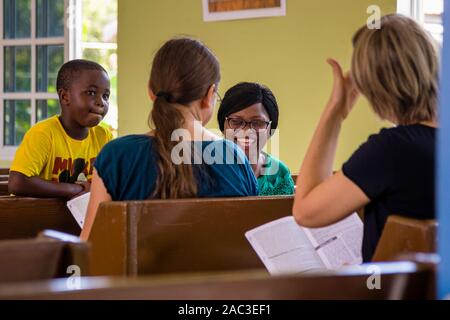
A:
(284, 248)
(78, 207)
(339, 244)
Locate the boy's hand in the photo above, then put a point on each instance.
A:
(21, 185)
(345, 94)
(86, 187)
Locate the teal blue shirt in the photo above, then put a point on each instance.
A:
(128, 168)
(275, 179)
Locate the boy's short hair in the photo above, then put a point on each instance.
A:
(396, 69)
(68, 72)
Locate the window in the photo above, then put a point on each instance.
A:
(432, 18)
(98, 42)
(33, 46)
(427, 12)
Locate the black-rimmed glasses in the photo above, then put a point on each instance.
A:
(239, 124)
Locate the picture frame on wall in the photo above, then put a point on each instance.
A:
(220, 10)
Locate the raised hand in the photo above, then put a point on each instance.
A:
(344, 94)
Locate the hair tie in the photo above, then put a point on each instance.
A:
(164, 95)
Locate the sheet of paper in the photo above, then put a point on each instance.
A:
(78, 207)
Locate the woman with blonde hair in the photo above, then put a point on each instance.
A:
(396, 69)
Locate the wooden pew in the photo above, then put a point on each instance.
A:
(404, 235)
(26, 217)
(4, 176)
(294, 177)
(207, 235)
(424, 260)
(4, 188)
(45, 257)
(401, 280)
(173, 236)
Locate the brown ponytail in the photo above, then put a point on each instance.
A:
(183, 71)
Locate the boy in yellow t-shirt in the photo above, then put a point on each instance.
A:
(56, 157)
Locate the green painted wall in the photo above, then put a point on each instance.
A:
(288, 54)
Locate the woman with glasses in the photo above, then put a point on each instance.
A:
(248, 115)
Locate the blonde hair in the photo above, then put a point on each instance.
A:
(396, 68)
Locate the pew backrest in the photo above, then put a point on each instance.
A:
(294, 177)
(26, 217)
(4, 176)
(41, 258)
(172, 236)
(4, 188)
(404, 235)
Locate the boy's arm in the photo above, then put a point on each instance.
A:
(21, 185)
(30, 159)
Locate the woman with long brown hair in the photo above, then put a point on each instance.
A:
(179, 158)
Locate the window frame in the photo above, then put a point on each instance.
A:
(79, 47)
(72, 33)
(415, 9)
(411, 8)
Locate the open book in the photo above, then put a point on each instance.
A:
(78, 207)
(284, 247)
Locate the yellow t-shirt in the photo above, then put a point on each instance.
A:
(48, 152)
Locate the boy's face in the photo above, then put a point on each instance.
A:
(87, 100)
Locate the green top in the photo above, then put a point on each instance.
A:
(276, 178)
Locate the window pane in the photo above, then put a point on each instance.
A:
(433, 10)
(17, 121)
(50, 18)
(99, 21)
(17, 72)
(16, 17)
(46, 109)
(433, 6)
(49, 60)
(108, 59)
